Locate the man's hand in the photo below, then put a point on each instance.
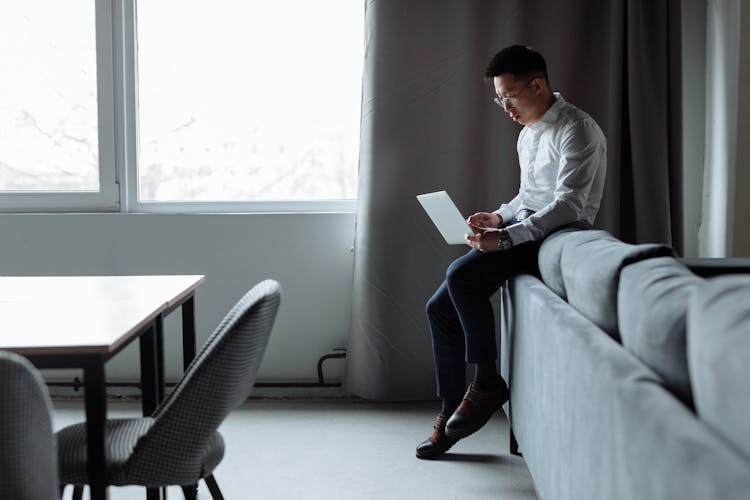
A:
(484, 220)
(486, 242)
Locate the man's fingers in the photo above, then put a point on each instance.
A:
(474, 241)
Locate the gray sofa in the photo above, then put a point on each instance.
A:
(629, 374)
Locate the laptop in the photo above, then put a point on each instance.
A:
(446, 217)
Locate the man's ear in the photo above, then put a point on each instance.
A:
(538, 85)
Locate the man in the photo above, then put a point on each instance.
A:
(562, 155)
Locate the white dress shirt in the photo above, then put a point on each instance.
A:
(563, 159)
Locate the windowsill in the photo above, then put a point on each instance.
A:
(185, 208)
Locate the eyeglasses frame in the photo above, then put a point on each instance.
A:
(512, 100)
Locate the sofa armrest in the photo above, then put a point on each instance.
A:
(707, 267)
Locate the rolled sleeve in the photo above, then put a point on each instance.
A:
(508, 210)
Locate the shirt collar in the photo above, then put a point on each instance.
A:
(552, 114)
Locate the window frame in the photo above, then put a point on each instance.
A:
(106, 199)
(117, 99)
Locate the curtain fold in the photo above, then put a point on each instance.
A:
(428, 123)
(723, 34)
(651, 107)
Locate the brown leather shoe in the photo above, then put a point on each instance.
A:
(475, 410)
(438, 443)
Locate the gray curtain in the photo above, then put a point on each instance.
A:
(723, 46)
(428, 123)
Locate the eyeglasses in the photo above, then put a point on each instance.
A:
(511, 101)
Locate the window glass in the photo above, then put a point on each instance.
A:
(48, 99)
(249, 100)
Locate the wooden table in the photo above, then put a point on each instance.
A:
(83, 321)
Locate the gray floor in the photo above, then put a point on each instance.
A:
(345, 449)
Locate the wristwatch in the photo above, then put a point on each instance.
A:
(504, 243)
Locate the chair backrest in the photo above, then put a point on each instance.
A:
(28, 456)
(219, 379)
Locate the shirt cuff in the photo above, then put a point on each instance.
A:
(506, 212)
(519, 233)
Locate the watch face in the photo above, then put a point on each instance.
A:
(505, 241)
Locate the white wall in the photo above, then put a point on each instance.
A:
(309, 254)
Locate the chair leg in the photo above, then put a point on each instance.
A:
(213, 487)
(190, 491)
(77, 492)
(153, 494)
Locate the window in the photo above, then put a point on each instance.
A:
(251, 100)
(196, 106)
(49, 106)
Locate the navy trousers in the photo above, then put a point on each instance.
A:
(462, 321)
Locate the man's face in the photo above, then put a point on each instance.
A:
(520, 98)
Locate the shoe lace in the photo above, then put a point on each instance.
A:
(473, 395)
(438, 429)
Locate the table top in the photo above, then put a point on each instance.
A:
(83, 314)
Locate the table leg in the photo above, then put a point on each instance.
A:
(150, 381)
(159, 341)
(156, 493)
(149, 387)
(188, 332)
(96, 414)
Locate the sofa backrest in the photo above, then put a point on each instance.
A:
(718, 334)
(584, 267)
(652, 303)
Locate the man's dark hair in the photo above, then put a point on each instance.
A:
(518, 60)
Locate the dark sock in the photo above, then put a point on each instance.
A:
(450, 405)
(486, 376)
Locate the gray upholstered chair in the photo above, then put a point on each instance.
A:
(28, 461)
(179, 444)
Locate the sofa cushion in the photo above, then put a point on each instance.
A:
(652, 303)
(718, 336)
(589, 264)
(550, 255)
